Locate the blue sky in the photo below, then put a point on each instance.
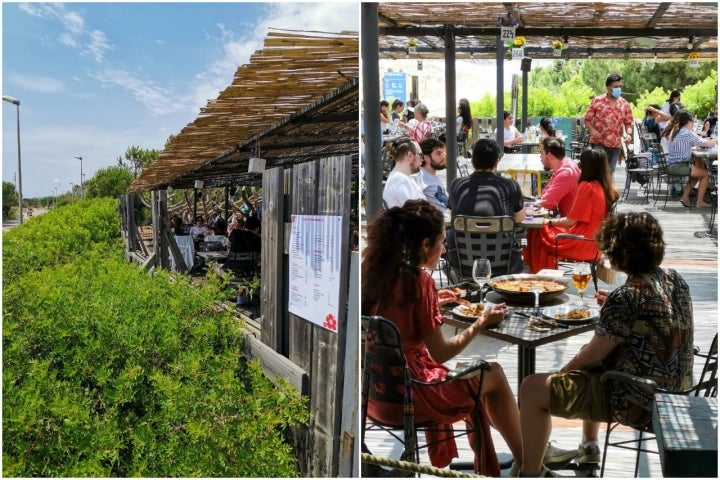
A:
(96, 78)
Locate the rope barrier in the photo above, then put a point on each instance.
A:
(414, 467)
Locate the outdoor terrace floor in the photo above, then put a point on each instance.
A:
(693, 257)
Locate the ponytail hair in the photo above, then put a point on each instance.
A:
(680, 118)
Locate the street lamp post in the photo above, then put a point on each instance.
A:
(82, 188)
(16, 102)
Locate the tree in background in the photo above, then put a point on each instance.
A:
(567, 93)
(138, 158)
(109, 182)
(9, 200)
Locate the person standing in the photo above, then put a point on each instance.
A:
(609, 120)
(559, 193)
(674, 97)
(433, 151)
(402, 183)
(463, 123)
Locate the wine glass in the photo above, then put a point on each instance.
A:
(581, 278)
(481, 273)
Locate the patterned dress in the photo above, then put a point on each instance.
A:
(653, 324)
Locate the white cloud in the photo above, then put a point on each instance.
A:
(318, 17)
(322, 17)
(34, 83)
(74, 34)
(98, 45)
(157, 99)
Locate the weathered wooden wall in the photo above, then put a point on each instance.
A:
(319, 363)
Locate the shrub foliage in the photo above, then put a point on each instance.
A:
(110, 372)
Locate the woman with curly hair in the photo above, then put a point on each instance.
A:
(594, 199)
(645, 329)
(401, 242)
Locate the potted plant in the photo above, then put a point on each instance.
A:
(248, 290)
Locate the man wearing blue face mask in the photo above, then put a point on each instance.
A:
(609, 120)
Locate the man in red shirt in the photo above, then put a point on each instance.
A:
(559, 194)
(609, 120)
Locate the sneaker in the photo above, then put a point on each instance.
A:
(544, 473)
(589, 454)
(556, 458)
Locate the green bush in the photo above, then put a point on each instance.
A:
(61, 236)
(110, 372)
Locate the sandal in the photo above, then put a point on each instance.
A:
(685, 204)
(702, 205)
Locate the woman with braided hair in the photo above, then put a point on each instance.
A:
(401, 242)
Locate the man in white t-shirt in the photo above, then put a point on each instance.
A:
(433, 151)
(403, 182)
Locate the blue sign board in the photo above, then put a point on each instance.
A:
(394, 86)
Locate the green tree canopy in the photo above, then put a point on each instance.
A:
(109, 182)
(138, 159)
(9, 199)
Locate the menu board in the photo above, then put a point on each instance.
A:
(315, 268)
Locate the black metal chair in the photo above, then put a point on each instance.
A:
(386, 378)
(484, 237)
(243, 264)
(706, 386)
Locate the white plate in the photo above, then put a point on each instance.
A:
(550, 312)
(457, 311)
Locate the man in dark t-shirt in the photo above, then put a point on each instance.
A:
(248, 239)
(484, 193)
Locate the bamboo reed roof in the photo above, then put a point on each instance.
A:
(604, 30)
(296, 100)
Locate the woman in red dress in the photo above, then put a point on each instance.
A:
(593, 200)
(400, 243)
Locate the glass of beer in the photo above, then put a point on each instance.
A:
(581, 278)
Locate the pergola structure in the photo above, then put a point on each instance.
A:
(451, 31)
(295, 101)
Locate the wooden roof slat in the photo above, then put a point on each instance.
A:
(293, 70)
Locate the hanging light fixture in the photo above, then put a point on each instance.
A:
(690, 42)
(589, 53)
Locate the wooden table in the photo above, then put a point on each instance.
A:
(686, 433)
(514, 330)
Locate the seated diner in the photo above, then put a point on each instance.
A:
(593, 201)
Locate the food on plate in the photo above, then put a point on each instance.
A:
(574, 314)
(472, 310)
(526, 285)
(453, 295)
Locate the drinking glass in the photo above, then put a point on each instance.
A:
(581, 278)
(481, 273)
